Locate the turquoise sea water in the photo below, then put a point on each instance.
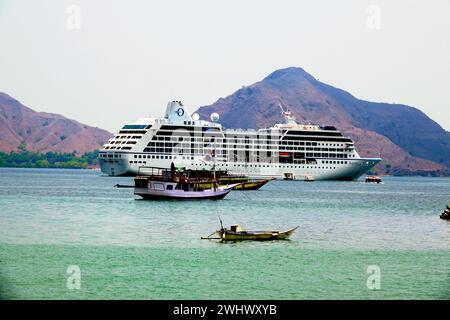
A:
(127, 248)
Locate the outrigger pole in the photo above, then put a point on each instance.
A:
(209, 237)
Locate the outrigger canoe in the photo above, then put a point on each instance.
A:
(237, 233)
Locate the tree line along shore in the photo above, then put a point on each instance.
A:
(32, 159)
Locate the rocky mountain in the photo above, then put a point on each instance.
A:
(408, 140)
(43, 131)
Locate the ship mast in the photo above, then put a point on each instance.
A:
(289, 118)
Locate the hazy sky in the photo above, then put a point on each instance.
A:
(120, 60)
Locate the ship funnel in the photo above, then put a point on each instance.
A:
(177, 113)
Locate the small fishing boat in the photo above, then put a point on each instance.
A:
(237, 233)
(373, 179)
(288, 176)
(174, 184)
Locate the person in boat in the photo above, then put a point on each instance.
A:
(446, 213)
(172, 171)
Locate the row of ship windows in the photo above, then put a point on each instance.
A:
(192, 158)
(258, 166)
(198, 152)
(122, 142)
(241, 141)
(297, 143)
(133, 131)
(140, 156)
(233, 134)
(269, 166)
(312, 149)
(118, 136)
(118, 148)
(198, 146)
(162, 157)
(238, 146)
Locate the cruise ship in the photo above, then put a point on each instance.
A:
(287, 149)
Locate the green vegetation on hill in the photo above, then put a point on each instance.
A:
(30, 159)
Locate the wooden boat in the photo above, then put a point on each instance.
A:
(373, 179)
(251, 185)
(237, 233)
(173, 184)
(228, 235)
(241, 182)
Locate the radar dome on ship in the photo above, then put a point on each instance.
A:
(195, 116)
(215, 117)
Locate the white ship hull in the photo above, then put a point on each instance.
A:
(348, 169)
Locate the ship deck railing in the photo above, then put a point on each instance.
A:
(177, 179)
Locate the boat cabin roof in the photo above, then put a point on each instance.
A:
(236, 228)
